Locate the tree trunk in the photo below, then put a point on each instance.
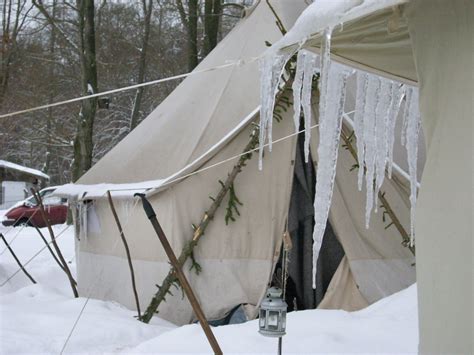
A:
(51, 69)
(147, 10)
(193, 59)
(10, 29)
(212, 13)
(190, 21)
(83, 143)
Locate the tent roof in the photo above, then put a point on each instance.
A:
(202, 111)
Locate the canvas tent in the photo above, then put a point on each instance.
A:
(201, 124)
(237, 259)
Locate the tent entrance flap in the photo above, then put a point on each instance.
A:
(299, 291)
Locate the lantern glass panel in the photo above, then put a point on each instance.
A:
(273, 320)
(283, 320)
(263, 314)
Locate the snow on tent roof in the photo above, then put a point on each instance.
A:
(20, 168)
(369, 35)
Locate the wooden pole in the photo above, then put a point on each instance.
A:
(127, 251)
(16, 259)
(49, 248)
(181, 277)
(55, 244)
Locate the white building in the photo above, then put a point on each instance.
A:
(16, 181)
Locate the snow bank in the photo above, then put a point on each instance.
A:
(388, 326)
(39, 318)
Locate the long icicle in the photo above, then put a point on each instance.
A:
(309, 66)
(296, 87)
(362, 81)
(369, 143)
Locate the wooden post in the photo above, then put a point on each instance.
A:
(16, 259)
(55, 244)
(179, 272)
(49, 248)
(127, 251)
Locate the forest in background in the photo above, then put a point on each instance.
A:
(56, 50)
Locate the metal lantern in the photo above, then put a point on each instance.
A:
(272, 321)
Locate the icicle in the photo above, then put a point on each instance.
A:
(398, 91)
(381, 131)
(325, 61)
(405, 117)
(330, 123)
(271, 68)
(359, 122)
(373, 87)
(411, 143)
(297, 85)
(309, 64)
(302, 90)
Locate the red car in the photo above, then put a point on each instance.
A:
(29, 212)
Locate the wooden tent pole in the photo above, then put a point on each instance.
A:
(127, 251)
(179, 272)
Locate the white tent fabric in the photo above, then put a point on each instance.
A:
(237, 259)
(443, 47)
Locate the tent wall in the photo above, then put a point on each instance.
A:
(443, 47)
(237, 259)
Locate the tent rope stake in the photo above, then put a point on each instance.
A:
(187, 250)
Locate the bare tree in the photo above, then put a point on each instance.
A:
(190, 22)
(147, 11)
(86, 51)
(212, 15)
(46, 63)
(14, 15)
(83, 144)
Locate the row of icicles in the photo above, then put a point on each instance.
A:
(378, 102)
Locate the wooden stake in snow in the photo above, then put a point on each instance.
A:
(127, 251)
(39, 201)
(49, 248)
(16, 259)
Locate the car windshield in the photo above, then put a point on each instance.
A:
(31, 200)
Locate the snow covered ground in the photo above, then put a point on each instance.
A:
(39, 318)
